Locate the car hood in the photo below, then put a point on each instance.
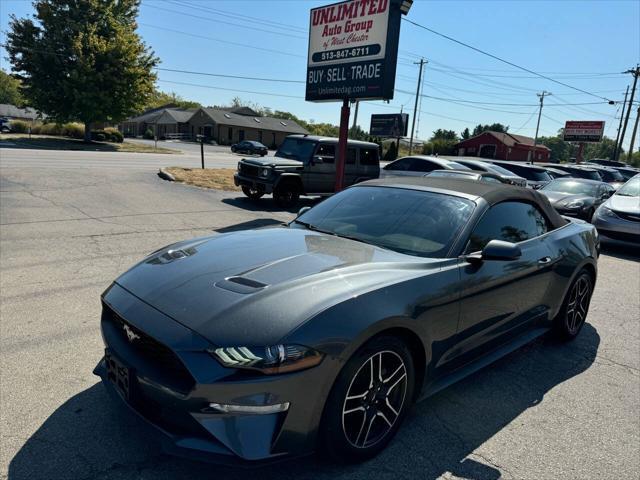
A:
(561, 198)
(273, 161)
(621, 203)
(261, 284)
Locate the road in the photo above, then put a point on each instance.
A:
(547, 411)
(188, 156)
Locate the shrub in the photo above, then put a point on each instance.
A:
(148, 134)
(73, 130)
(50, 129)
(114, 135)
(19, 126)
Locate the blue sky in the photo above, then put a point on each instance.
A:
(583, 43)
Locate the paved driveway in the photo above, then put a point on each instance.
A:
(548, 411)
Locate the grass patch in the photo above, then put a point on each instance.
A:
(44, 142)
(217, 178)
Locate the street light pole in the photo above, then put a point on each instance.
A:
(535, 140)
(624, 105)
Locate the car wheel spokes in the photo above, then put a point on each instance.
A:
(374, 400)
(578, 305)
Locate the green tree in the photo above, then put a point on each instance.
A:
(10, 90)
(82, 60)
(465, 134)
(158, 99)
(602, 149)
(560, 150)
(448, 135)
(494, 127)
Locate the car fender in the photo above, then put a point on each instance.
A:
(286, 176)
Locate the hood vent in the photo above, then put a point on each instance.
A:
(240, 285)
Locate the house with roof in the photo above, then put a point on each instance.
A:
(28, 114)
(503, 146)
(229, 126)
(164, 120)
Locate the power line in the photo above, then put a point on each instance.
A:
(228, 42)
(240, 77)
(210, 19)
(232, 89)
(495, 57)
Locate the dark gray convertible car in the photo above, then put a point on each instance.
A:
(255, 345)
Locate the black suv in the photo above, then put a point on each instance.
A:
(306, 165)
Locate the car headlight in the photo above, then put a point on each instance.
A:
(574, 204)
(239, 165)
(265, 172)
(269, 360)
(606, 212)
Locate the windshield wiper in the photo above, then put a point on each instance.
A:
(625, 194)
(312, 227)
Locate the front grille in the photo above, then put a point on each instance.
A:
(628, 216)
(249, 170)
(162, 364)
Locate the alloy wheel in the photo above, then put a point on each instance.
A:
(374, 399)
(578, 305)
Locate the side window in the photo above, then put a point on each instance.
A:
(509, 221)
(351, 156)
(402, 165)
(420, 165)
(369, 156)
(327, 152)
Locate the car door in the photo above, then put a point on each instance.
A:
(321, 170)
(502, 299)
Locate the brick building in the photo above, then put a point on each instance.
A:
(502, 146)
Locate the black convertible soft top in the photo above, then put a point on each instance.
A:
(492, 193)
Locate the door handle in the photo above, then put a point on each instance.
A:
(544, 260)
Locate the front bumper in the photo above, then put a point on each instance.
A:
(173, 394)
(252, 182)
(575, 213)
(617, 228)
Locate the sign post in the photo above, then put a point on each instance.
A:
(581, 132)
(353, 50)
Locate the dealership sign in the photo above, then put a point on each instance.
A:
(353, 48)
(389, 125)
(583, 131)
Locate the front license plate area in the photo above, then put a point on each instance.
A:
(118, 374)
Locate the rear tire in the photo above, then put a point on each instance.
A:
(369, 401)
(287, 194)
(574, 310)
(253, 193)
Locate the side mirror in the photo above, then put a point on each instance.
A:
(316, 159)
(303, 210)
(496, 250)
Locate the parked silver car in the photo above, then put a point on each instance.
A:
(418, 165)
(619, 217)
(480, 166)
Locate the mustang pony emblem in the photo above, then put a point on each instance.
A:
(131, 335)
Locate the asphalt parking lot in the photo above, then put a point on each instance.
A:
(547, 411)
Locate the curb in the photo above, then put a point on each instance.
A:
(162, 173)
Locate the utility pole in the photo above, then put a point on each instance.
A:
(355, 117)
(633, 135)
(535, 140)
(624, 105)
(635, 72)
(415, 108)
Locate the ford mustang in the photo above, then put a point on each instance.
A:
(320, 335)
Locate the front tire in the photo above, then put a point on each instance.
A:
(369, 400)
(287, 194)
(253, 193)
(573, 313)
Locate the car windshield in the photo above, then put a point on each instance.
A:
(588, 174)
(571, 187)
(458, 166)
(412, 222)
(529, 173)
(630, 189)
(296, 148)
(611, 175)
